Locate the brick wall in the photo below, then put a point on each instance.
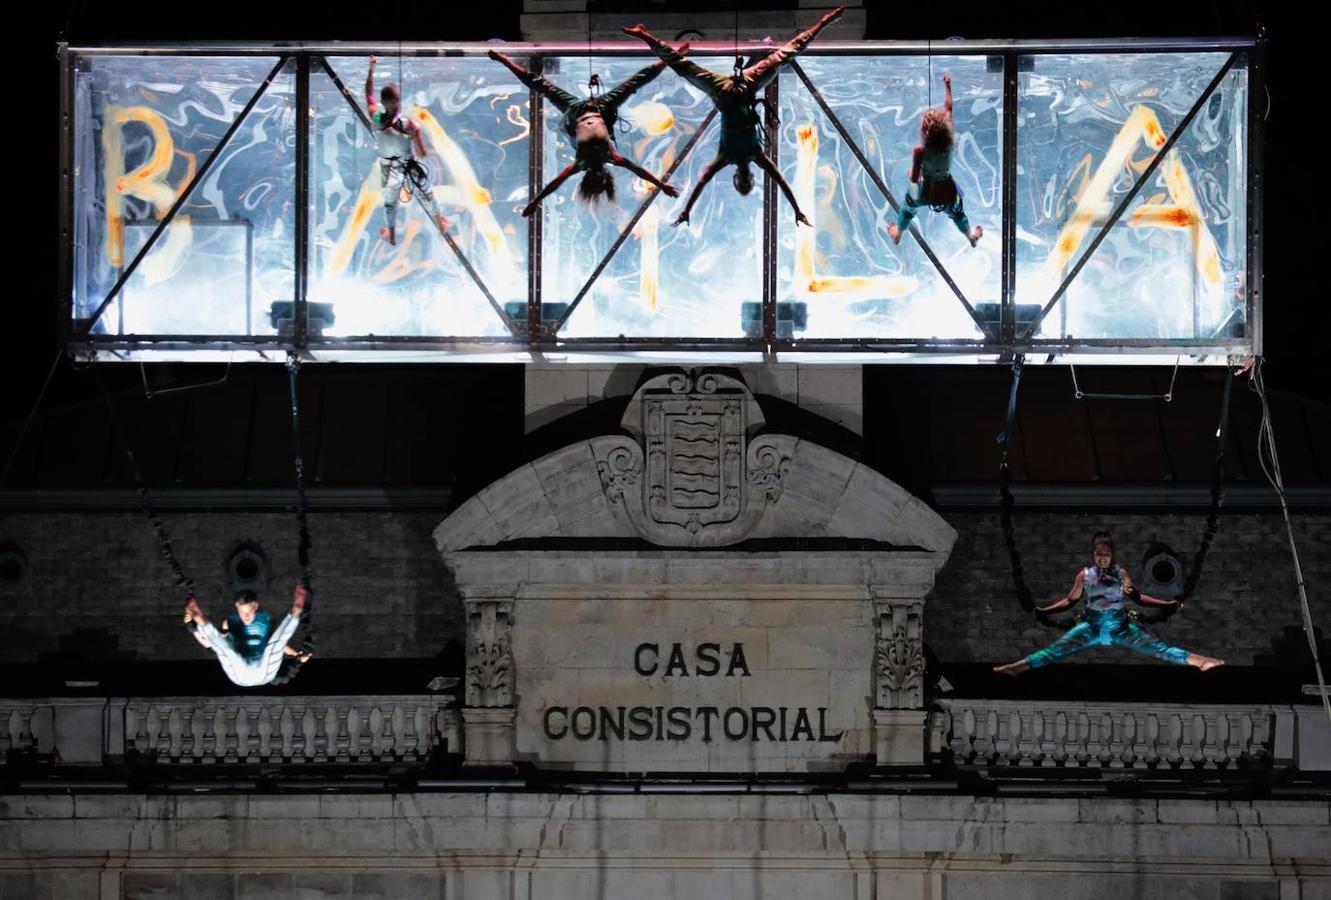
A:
(1242, 608)
(381, 588)
(384, 593)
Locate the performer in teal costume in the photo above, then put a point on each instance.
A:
(1106, 587)
(931, 181)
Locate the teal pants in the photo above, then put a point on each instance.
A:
(917, 195)
(1107, 628)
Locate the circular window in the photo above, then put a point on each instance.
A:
(13, 566)
(247, 568)
(1162, 572)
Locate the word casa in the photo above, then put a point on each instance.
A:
(705, 661)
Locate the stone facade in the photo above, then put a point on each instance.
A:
(831, 579)
(616, 656)
(735, 846)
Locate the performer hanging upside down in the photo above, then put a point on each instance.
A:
(931, 181)
(248, 647)
(1106, 585)
(736, 99)
(590, 124)
(401, 147)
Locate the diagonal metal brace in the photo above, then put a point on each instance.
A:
(342, 88)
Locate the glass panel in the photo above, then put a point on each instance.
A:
(854, 280)
(144, 125)
(1175, 264)
(664, 282)
(474, 124)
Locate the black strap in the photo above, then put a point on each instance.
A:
(304, 637)
(1024, 596)
(1023, 591)
(183, 581)
(1160, 614)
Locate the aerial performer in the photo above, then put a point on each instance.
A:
(590, 124)
(401, 148)
(736, 99)
(247, 645)
(1108, 623)
(931, 181)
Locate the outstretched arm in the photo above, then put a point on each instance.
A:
(763, 71)
(549, 189)
(370, 103)
(1078, 585)
(947, 95)
(716, 165)
(195, 618)
(561, 98)
(625, 162)
(1144, 599)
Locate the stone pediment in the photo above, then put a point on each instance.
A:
(694, 469)
(596, 636)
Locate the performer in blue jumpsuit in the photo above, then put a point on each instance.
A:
(1106, 586)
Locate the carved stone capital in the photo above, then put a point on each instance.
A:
(899, 654)
(489, 652)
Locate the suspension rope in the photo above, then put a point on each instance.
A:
(304, 637)
(1212, 517)
(1024, 596)
(303, 548)
(1266, 455)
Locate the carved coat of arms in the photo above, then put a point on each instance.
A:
(692, 475)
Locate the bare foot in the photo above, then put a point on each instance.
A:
(894, 232)
(389, 235)
(976, 235)
(1209, 662)
(802, 219)
(192, 612)
(635, 30)
(1012, 669)
(529, 209)
(669, 191)
(682, 220)
(298, 601)
(443, 223)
